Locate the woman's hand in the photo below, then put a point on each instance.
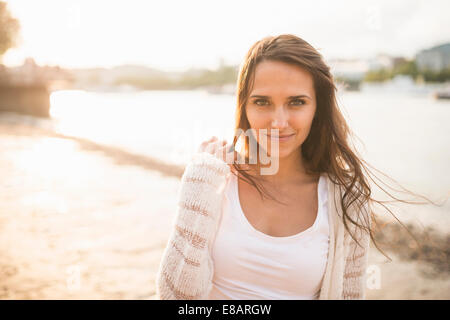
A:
(220, 149)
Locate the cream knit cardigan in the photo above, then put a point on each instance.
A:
(186, 269)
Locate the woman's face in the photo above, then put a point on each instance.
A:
(282, 98)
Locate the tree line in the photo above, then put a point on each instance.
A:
(408, 68)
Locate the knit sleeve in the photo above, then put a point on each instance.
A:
(357, 258)
(186, 267)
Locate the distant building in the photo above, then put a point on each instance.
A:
(381, 61)
(353, 69)
(435, 59)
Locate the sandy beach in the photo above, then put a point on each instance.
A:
(84, 221)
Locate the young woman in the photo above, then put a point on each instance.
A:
(302, 232)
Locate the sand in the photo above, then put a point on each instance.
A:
(83, 221)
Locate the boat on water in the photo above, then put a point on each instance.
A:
(443, 93)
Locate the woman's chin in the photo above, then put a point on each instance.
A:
(281, 154)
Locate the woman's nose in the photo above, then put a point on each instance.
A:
(280, 119)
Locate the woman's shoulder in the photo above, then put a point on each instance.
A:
(358, 206)
(209, 161)
(205, 168)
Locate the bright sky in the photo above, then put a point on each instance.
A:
(176, 35)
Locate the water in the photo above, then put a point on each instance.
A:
(408, 138)
(168, 125)
(405, 135)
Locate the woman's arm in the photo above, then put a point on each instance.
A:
(186, 267)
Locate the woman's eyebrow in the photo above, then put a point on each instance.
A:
(289, 98)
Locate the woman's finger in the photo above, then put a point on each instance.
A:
(210, 148)
(205, 143)
(230, 155)
(221, 150)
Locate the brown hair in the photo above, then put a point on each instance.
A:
(326, 149)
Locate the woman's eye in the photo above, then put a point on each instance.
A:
(260, 102)
(264, 102)
(298, 102)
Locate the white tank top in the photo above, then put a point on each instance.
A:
(249, 264)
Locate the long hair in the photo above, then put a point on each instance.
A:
(326, 149)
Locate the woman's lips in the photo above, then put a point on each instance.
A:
(281, 138)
